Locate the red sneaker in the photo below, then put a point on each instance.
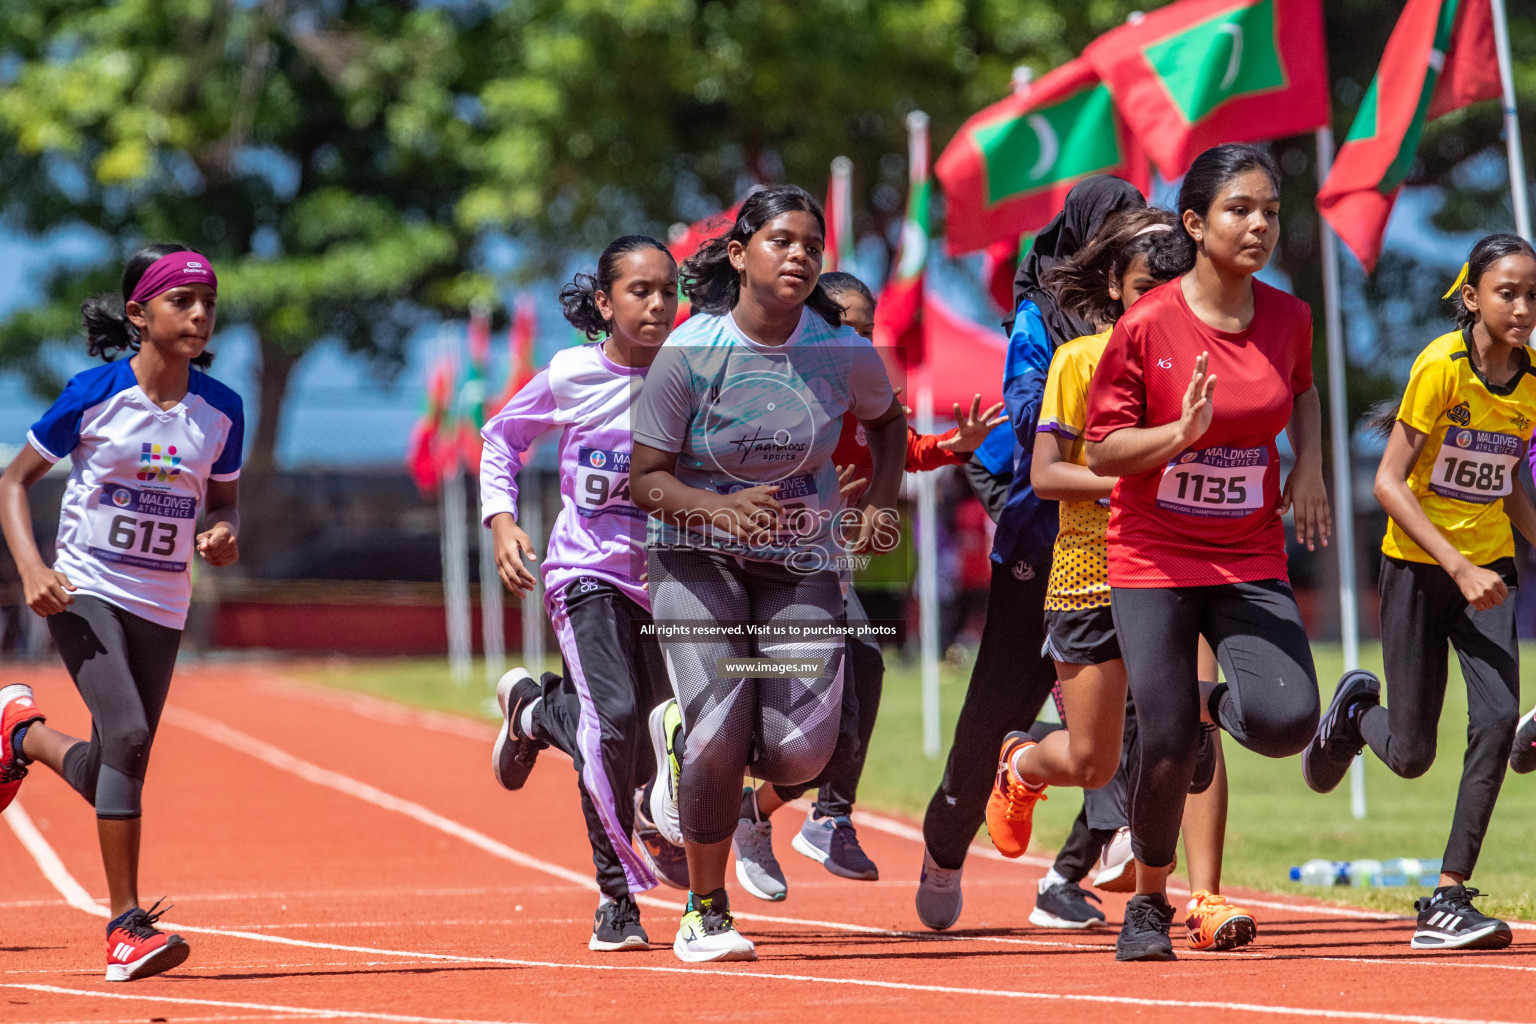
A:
(16, 709)
(137, 949)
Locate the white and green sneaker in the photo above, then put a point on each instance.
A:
(707, 933)
(666, 724)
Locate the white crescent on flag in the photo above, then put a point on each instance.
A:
(1234, 62)
(1050, 146)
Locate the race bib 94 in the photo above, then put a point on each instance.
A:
(1475, 465)
(602, 484)
(145, 529)
(1221, 482)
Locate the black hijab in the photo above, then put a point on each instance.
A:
(1088, 205)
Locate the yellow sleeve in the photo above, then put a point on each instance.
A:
(1064, 406)
(1431, 386)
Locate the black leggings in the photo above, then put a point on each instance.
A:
(1421, 611)
(1268, 704)
(121, 664)
(1010, 683)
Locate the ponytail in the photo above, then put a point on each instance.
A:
(579, 298)
(108, 330)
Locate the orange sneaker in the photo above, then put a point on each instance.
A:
(1011, 807)
(1215, 924)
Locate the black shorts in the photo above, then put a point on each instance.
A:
(1085, 636)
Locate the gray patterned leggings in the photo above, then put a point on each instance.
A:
(782, 728)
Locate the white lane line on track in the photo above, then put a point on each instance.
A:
(217, 731)
(381, 710)
(62, 878)
(303, 1011)
(48, 861)
(179, 1020)
(1073, 997)
(901, 829)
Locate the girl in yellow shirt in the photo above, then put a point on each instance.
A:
(1449, 481)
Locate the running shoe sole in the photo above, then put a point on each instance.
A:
(631, 943)
(1046, 919)
(173, 954)
(751, 887)
(1148, 955)
(1522, 759)
(664, 822)
(1233, 933)
(509, 774)
(1120, 878)
(1495, 936)
(714, 956)
(804, 846)
(1346, 691)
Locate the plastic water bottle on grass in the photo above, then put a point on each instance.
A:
(1367, 873)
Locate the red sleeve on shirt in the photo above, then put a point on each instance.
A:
(924, 453)
(1117, 397)
(1301, 375)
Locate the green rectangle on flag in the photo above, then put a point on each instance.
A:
(1232, 54)
(1067, 140)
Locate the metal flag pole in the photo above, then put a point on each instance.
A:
(530, 508)
(1343, 482)
(493, 636)
(1518, 187)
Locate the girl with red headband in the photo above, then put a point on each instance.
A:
(153, 449)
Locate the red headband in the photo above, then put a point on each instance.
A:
(171, 271)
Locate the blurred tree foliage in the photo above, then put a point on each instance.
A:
(345, 161)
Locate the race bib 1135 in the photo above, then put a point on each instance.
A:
(1220, 482)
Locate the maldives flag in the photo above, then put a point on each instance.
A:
(684, 241)
(999, 265)
(1009, 168)
(1440, 58)
(899, 311)
(1198, 73)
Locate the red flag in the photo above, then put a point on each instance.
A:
(684, 242)
(425, 455)
(999, 264)
(1009, 168)
(899, 311)
(1439, 58)
(520, 338)
(1198, 73)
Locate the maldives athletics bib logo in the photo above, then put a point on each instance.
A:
(159, 462)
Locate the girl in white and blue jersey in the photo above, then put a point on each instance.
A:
(154, 448)
(594, 575)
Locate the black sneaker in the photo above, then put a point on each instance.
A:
(617, 927)
(1144, 936)
(667, 862)
(1447, 920)
(1337, 741)
(513, 755)
(1065, 905)
(1205, 759)
(1522, 756)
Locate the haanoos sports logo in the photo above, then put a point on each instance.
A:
(158, 462)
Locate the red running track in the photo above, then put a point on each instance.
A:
(337, 857)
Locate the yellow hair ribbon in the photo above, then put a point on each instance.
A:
(1461, 279)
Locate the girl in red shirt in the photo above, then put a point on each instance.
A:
(1195, 538)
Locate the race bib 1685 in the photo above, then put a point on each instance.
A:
(1475, 465)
